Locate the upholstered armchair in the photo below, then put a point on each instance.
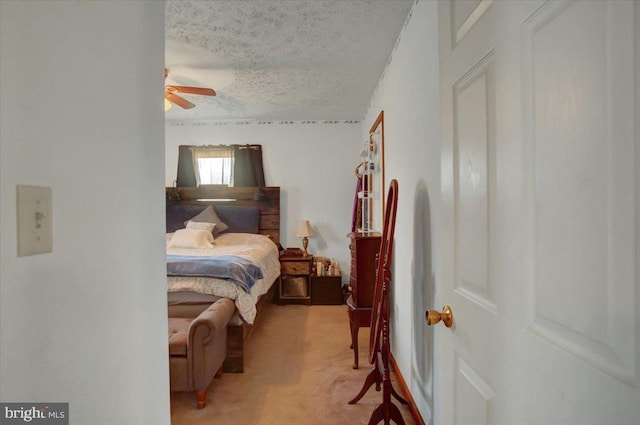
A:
(197, 348)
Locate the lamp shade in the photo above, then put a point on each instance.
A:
(304, 229)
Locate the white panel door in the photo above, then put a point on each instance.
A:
(541, 213)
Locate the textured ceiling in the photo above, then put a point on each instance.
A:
(280, 60)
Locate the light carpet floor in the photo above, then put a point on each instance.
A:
(297, 371)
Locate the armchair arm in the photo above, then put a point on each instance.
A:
(207, 342)
(205, 326)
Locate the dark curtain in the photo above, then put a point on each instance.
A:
(247, 165)
(356, 215)
(186, 175)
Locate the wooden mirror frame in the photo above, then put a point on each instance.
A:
(380, 307)
(379, 340)
(379, 125)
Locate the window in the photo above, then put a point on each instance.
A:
(235, 165)
(213, 165)
(214, 171)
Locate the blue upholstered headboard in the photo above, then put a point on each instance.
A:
(240, 219)
(243, 209)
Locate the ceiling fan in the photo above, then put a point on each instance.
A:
(170, 95)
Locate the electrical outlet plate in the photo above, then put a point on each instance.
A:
(35, 234)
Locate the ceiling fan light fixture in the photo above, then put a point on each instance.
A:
(171, 96)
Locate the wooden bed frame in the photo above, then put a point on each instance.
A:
(269, 210)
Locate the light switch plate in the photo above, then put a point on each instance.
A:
(35, 234)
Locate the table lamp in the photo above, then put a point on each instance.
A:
(304, 231)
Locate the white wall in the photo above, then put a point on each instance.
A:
(81, 112)
(408, 94)
(312, 163)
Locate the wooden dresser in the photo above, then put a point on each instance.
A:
(364, 247)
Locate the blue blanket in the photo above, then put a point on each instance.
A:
(238, 270)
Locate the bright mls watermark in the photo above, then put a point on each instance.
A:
(34, 413)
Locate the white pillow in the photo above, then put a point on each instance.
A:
(191, 238)
(201, 226)
(208, 215)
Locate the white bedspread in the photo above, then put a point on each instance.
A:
(256, 248)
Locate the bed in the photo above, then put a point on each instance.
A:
(252, 238)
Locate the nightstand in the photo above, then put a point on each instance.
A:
(295, 279)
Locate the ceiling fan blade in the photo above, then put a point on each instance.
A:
(183, 103)
(193, 90)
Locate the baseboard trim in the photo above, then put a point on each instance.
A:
(404, 389)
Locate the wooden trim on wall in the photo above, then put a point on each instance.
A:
(405, 391)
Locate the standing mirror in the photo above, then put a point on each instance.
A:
(379, 340)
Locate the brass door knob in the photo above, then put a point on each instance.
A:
(434, 317)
